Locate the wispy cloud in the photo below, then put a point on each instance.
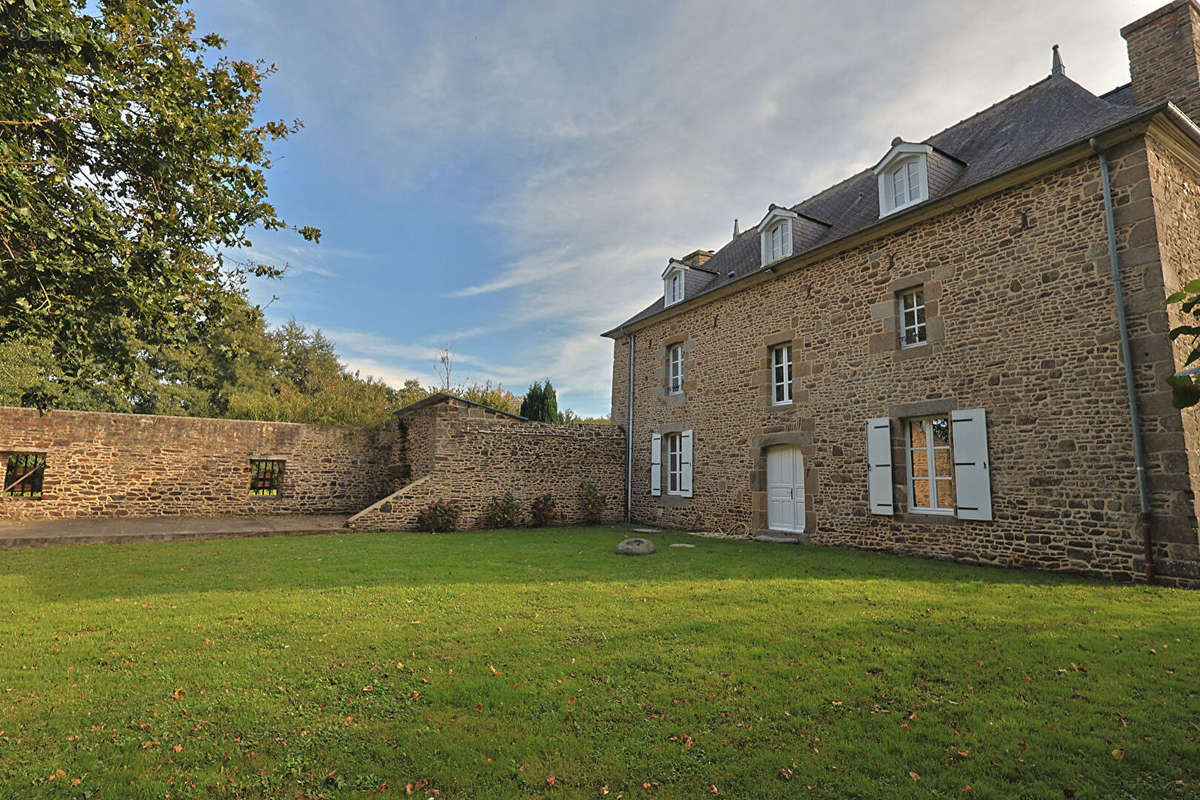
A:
(617, 134)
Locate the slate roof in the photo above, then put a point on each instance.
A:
(1051, 114)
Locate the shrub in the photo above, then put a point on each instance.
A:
(439, 515)
(502, 512)
(543, 511)
(591, 503)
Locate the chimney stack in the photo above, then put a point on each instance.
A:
(697, 258)
(1164, 56)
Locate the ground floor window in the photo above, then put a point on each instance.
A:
(265, 477)
(781, 375)
(23, 474)
(674, 463)
(930, 465)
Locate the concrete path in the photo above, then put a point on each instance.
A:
(38, 533)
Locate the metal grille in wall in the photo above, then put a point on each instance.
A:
(265, 476)
(23, 474)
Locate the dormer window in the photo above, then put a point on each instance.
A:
(775, 234)
(903, 176)
(674, 282)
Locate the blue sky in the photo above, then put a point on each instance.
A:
(509, 179)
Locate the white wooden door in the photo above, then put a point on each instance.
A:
(785, 489)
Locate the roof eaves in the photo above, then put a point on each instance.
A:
(1168, 108)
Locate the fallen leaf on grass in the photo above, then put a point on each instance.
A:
(177, 748)
(550, 781)
(914, 776)
(1118, 754)
(148, 745)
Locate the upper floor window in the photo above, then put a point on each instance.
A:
(775, 234)
(674, 282)
(781, 375)
(675, 369)
(903, 176)
(912, 318)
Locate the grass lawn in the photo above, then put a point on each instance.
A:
(539, 664)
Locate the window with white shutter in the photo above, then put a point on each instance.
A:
(879, 465)
(656, 465)
(972, 477)
(686, 440)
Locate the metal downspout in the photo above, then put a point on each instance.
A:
(1139, 449)
(629, 435)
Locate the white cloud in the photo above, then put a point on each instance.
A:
(631, 133)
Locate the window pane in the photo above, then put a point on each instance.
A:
(941, 462)
(945, 493)
(920, 463)
(914, 181)
(921, 497)
(941, 430)
(916, 433)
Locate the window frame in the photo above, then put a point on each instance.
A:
(904, 162)
(920, 316)
(675, 369)
(273, 471)
(18, 472)
(783, 365)
(673, 445)
(935, 480)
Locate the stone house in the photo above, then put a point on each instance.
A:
(959, 352)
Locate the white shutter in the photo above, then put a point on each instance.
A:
(656, 465)
(685, 464)
(972, 478)
(879, 465)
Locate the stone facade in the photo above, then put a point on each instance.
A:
(1164, 56)
(1021, 323)
(472, 454)
(134, 465)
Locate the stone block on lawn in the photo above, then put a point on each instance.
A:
(635, 547)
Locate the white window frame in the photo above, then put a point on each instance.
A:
(673, 445)
(775, 235)
(781, 375)
(675, 369)
(905, 161)
(674, 283)
(919, 324)
(937, 483)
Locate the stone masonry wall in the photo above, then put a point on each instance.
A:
(1022, 324)
(477, 456)
(1175, 180)
(1164, 56)
(133, 465)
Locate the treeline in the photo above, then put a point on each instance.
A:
(243, 369)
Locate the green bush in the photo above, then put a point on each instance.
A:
(439, 515)
(543, 511)
(591, 503)
(502, 512)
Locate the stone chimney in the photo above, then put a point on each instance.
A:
(1164, 56)
(697, 258)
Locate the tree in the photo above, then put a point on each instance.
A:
(1185, 388)
(130, 160)
(541, 403)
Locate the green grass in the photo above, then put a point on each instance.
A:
(271, 668)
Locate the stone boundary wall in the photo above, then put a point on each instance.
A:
(477, 457)
(135, 465)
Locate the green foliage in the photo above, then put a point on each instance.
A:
(543, 511)
(591, 503)
(440, 515)
(492, 396)
(847, 669)
(574, 419)
(1185, 389)
(131, 159)
(541, 403)
(502, 512)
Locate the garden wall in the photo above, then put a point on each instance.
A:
(472, 455)
(134, 465)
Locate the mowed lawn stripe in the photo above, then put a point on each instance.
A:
(536, 663)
